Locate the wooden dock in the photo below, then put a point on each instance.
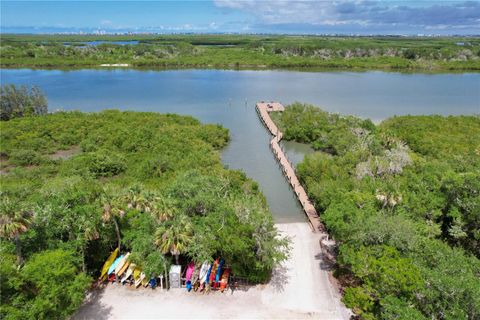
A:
(263, 110)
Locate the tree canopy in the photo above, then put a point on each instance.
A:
(402, 201)
(152, 184)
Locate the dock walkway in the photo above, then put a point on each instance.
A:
(263, 109)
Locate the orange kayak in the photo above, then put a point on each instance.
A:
(224, 281)
(214, 271)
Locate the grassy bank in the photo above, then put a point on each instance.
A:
(243, 51)
(74, 186)
(401, 199)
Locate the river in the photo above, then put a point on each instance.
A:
(228, 97)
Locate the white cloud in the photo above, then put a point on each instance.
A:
(361, 13)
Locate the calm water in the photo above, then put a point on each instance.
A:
(99, 42)
(228, 98)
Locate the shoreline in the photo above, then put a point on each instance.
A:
(130, 66)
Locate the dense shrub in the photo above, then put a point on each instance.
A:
(402, 201)
(152, 184)
(21, 101)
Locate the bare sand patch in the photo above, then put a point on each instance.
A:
(65, 154)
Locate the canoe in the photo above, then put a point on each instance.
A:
(188, 275)
(122, 265)
(114, 265)
(219, 273)
(224, 281)
(107, 264)
(128, 273)
(138, 282)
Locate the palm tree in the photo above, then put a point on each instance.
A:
(14, 220)
(163, 209)
(112, 211)
(174, 236)
(138, 199)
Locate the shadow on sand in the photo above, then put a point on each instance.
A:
(279, 278)
(92, 308)
(324, 262)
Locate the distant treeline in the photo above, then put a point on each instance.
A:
(243, 51)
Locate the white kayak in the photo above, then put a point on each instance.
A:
(203, 272)
(128, 273)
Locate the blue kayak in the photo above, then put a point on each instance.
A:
(208, 273)
(219, 270)
(114, 264)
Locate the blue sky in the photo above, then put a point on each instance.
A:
(247, 16)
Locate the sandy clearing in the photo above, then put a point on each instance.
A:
(299, 289)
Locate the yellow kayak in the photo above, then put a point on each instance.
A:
(138, 275)
(144, 279)
(107, 264)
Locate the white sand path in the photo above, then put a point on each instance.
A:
(299, 289)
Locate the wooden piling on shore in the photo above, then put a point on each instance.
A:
(263, 109)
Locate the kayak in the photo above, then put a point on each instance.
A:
(224, 281)
(214, 271)
(207, 278)
(195, 283)
(208, 274)
(203, 272)
(144, 280)
(219, 273)
(111, 277)
(114, 265)
(107, 264)
(138, 281)
(188, 275)
(122, 265)
(128, 273)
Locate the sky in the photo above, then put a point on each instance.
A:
(247, 16)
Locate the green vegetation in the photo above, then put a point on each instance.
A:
(243, 51)
(402, 200)
(75, 186)
(18, 102)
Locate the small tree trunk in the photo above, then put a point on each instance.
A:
(166, 275)
(18, 249)
(84, 267)
(176, 259)
(117, 230)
